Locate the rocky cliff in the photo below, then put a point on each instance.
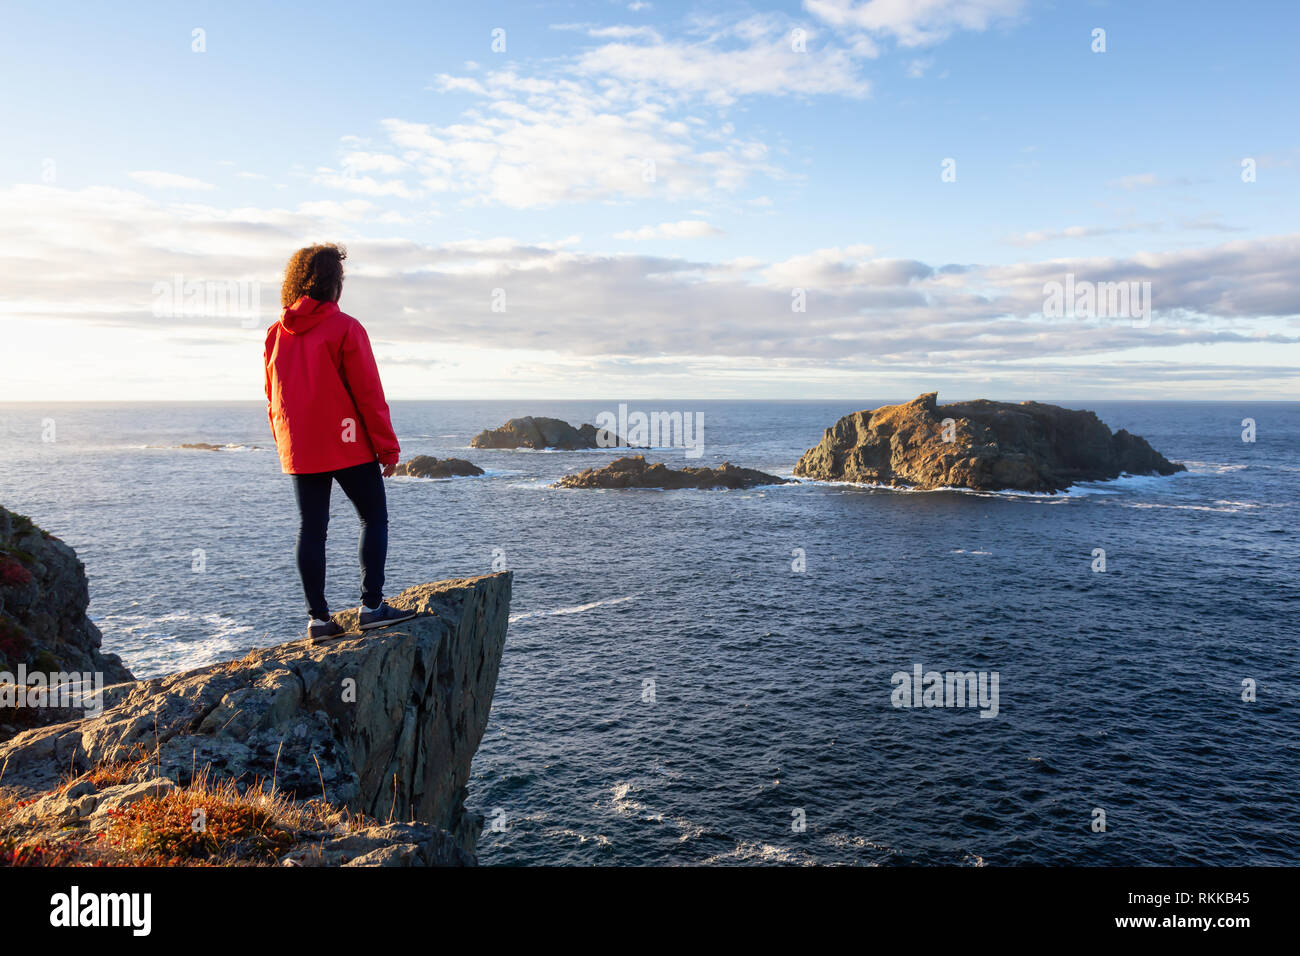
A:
(985, 445)
(43, 601)
(529, 432)
(384, 725)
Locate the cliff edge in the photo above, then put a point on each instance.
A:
(382, 725)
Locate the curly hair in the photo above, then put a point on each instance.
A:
(316, 271)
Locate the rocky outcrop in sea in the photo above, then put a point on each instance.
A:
(43, 601)
(636, 472)
(426, 466)
(538, 433)
(981, 444)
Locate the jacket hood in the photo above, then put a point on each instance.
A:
(305, 314)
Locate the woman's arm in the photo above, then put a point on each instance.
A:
(361, 375)
(266, 366)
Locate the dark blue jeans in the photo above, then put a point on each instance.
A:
(364, 486)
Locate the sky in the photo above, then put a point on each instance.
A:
(627, 200)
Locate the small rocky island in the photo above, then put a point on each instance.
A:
(636, 472)
(537, 433)
(426, 466)
(980, 444)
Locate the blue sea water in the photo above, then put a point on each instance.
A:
(1119, 691)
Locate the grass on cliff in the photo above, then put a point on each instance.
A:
(211, 823)
(208, 823)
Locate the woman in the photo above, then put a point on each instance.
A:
(331, 423)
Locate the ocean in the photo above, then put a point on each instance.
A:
(699, 677)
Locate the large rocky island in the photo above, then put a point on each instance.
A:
(980, 444)
(353, 752)
(636, 472)
(538, 433)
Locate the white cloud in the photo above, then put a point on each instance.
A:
(94, 255)
(1149, 180)
(685, 229)
(633, 116)
(752, 56)
(349, 210)
(913, 22)
(619, 32)
(1082, 232)
(536, 143)
(1136, 181)
(156, 179)
(364, 162)
(348, 181)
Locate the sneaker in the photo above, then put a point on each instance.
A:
(383, 616)
(320, 631)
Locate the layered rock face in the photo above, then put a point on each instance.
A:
(987, 445)
(385, 724)
(529, 432)
(426, 466)
(636, 472)
(43, 601)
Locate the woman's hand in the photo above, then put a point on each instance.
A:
(388, 470)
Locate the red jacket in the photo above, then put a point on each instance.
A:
(325, 402)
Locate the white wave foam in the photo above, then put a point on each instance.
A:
(575, 609)
(534, 484)
(228, 446)
(1044, 496)
(562, 451)
(1150, 505)
(150, 643)
(487, 473)
(622, 803)
(849, 841)
(1212, 467)
(599, 839)
(748, 852)
(1083, 489)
